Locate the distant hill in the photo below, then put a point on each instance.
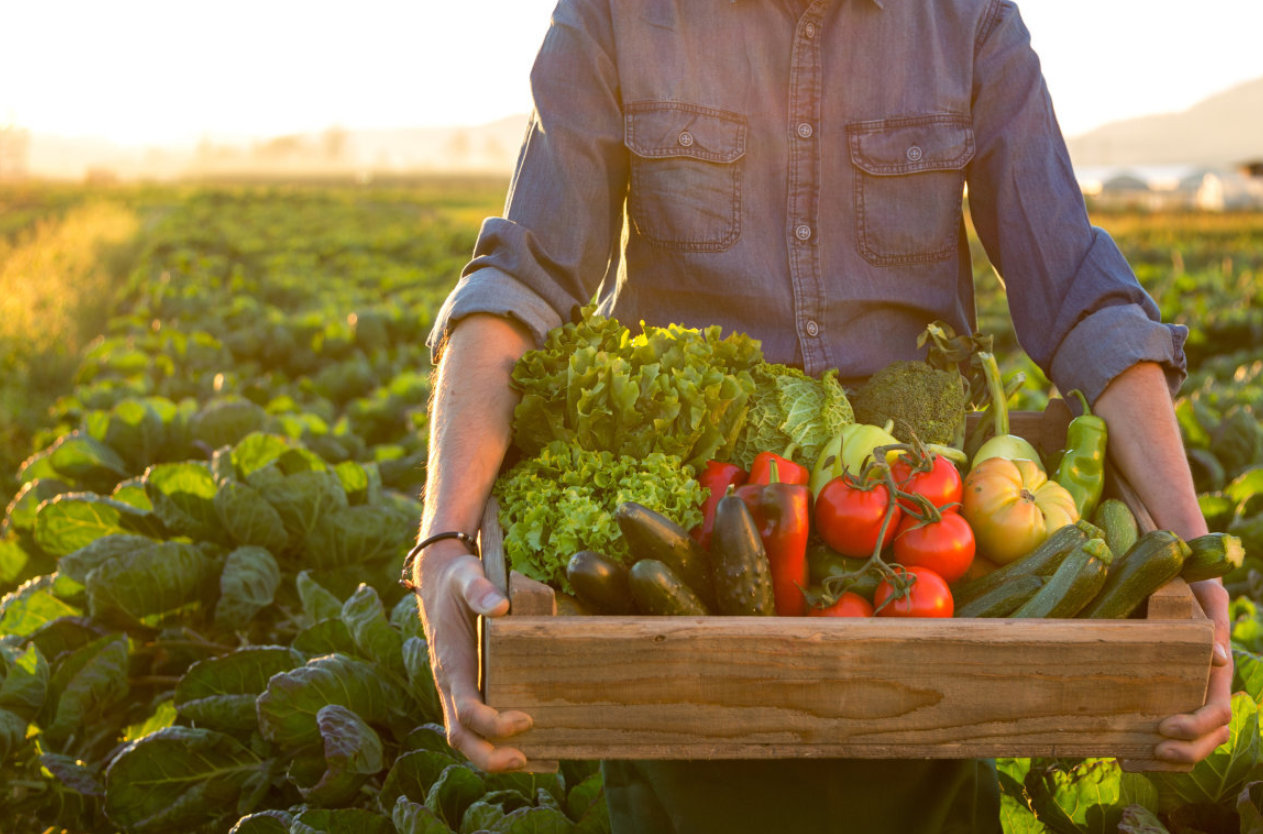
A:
(1223, 130)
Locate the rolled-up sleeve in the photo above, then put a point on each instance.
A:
(563, 217)
(1077, 307)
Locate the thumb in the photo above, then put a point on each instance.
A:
(482, 596)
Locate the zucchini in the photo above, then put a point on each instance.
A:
(1003, 600)
(1042, 561)
(659, 591)
(651, 535)
(1153, 561)
(1116, 519)
(600, 582)
(1215, 554)
(743, 576)
(1073, 586)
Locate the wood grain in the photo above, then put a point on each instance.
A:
(529, 598)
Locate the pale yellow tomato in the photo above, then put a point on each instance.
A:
(1012, 507)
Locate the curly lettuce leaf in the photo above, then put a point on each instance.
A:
(792, 409)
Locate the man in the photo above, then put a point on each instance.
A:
(792, 169)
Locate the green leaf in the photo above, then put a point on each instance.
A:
(1250, 808)
(17, 562)
(433, 736)
(177, 779)
(416, 660)
(163, 716)
(353, 535)
(414, 818)
(341, 821)
(80, 563)
(352, 753)
(258, 450)
(64, 635)
(31, 607)
(248, 518)
(365, 618)
(529, 784)
(318, 603)
(226, 421)
(132, 493)
(25, 682)
(325, 637)
(136, 431)
(362, 484)
(220, 692)
(406, 617)
(22, 509)
(1088, 797)
(86, 461)
(86, 684)
(287, 710)
(76, 519)
(183, 496)
(1248, 674)
(264, 822)
(247, 586)
(412, 776)
(586, 805)
(1219, 777)
(302, 500)
(481, 816)
(159, 579)
(76, 774)
(12, 733)
(534, 821)
(1138, 820)
(456, 789)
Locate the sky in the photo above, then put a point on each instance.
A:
(142, 72)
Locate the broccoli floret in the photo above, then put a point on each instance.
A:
(921, 400)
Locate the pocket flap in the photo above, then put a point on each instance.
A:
(659, 129)
(890, 147)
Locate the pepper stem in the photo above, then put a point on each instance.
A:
(1083, 402)
(999, 399)
(773, 473)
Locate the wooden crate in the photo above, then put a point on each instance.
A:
(756, 687)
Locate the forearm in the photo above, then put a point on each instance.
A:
(1145, 444)
(471, 420)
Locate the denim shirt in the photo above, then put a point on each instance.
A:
(798, 176)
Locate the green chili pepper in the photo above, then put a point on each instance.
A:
(1082, 467)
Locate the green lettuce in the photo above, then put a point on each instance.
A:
(671, 390)
(792, 411)
(563, 501)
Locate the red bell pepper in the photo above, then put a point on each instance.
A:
(788, 471)
(717, 477)
(782, 513)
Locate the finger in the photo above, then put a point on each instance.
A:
(474, 714)
(479, 593)
(1184, 752)
(1216, 713)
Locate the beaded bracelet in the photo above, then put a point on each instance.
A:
(405, 579)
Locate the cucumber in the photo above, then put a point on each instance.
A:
(1003, 600)
(600, 582)
(743, 576)
(1073, 586)
(1154, 560)
(1042, 561)
(651, 535)
(1216, 554)
(1116, 519)
(659, 591)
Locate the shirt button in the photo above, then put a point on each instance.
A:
(803, 232)
(811, 30)
(813, 329)
(804, 130)
(914, 153)
(686, 139)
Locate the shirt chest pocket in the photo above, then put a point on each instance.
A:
(685, 191)
(909, 178)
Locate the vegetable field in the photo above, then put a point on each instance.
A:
(203, 631)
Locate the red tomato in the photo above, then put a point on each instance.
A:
(945, 546)
(849, 519)
(850, 604)
(941, 484)
(929, 596)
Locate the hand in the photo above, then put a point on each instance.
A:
(453, 590)
(1192, 738)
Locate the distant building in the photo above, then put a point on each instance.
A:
(1174, 188)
